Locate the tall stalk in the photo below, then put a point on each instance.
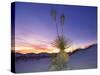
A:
(54, 16)
(62, 19)
(57, 30)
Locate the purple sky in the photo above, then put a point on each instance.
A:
(33, 22)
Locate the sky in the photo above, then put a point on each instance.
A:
(35, 28)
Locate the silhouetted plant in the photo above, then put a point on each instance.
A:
(60, 59)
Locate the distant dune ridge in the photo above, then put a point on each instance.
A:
(84, 59)
(48, 54)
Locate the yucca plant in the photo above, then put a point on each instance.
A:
(60, 59)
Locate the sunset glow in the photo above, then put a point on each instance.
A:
(47, 49)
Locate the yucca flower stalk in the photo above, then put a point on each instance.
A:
(62, 20)
(54, 16)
